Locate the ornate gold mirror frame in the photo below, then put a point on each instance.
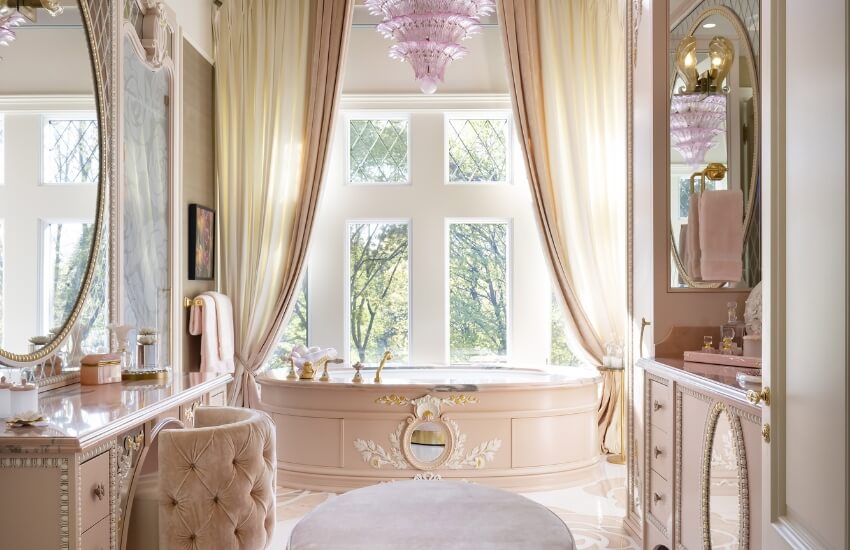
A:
(705, 474)
(754, 183)
(407, 436)
(98, 18)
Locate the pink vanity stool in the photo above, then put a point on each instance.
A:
(431, 515)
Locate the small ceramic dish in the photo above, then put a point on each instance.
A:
(746, 380)
(26, 420)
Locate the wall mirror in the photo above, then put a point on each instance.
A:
(146, 120)
(714, 136)
(53, 274)
(725, 506)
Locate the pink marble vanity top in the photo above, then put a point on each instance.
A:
(719, 377)
(80, 415)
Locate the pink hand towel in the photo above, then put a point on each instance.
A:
(224, 320)
(692, 255)
(721, 235)
(203, 321)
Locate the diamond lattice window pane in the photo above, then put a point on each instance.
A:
(478, 150)
(70, 150)
(378, 151)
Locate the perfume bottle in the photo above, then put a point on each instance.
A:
(736, 325)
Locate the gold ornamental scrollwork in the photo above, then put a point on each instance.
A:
(392, 399)
(427, 410)
(400, 400)
(462, 399)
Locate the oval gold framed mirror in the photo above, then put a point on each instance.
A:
(724, 485)
(427, 443)
(714, 144)
(52, 186)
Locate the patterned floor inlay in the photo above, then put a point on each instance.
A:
(593, 509)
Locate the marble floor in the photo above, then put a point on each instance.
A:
(593, 509)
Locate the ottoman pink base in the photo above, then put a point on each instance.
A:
(431, 515)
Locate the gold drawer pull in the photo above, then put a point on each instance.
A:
(757, 397)
(99, 491)
(657, 405)
(656, 498)
(658, 452)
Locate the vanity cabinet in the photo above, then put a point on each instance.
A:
(701, 490)
(69, 482)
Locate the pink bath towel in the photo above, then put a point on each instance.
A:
(692, 247)
(721, 235)
(213, 321)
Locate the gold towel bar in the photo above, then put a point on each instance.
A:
(189, 302)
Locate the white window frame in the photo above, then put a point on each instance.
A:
(347, 286)
(426, 204)
(480, 115)
(374, 115)
(509, 283)
(62, 116)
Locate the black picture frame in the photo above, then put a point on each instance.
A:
(201, 243)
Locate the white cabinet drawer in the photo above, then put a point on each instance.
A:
(94, 488)
(660, 500)
(660, 406)
(97, 538)
(660, 453)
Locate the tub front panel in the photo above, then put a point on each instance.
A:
(553, 440)
(337, 436)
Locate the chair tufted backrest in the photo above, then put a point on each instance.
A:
(217, 482)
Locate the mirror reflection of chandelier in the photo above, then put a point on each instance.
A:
(698, 109)
(14, 13)
(428, 32)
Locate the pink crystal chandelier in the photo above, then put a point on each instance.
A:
(428, 32)
(9, 21)
(696, 120)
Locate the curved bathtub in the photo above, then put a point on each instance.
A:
(520, 428)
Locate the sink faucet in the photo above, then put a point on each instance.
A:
(386, 357)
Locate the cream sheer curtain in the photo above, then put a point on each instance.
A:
(277, 78)
(567, 75)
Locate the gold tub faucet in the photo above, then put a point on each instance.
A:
(386, 357)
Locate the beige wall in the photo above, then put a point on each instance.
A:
(369, 68)
(60, 55)
(195, 19)
(198, 175)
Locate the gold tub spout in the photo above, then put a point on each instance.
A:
(325, 376)
(386, 357)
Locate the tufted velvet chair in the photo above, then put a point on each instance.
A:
(217, 482)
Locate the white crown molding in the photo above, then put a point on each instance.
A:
(418, 101)
(23, 104)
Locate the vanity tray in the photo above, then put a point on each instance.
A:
(720, 359)
(144, 374)
(27, 420)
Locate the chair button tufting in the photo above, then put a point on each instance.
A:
(215, 499)
(192, 536)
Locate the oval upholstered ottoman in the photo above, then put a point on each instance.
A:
(431, 515)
